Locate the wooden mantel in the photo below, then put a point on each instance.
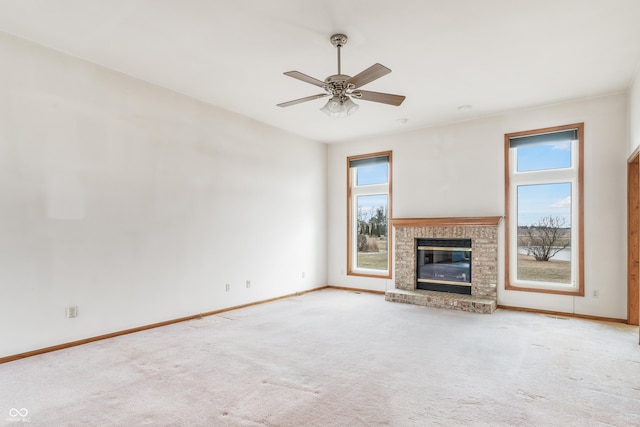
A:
(470, 221)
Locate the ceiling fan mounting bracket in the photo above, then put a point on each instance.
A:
(339, 40)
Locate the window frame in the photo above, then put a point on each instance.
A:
(352, 269)
(577, 215)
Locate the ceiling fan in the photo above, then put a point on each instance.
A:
(342, 87)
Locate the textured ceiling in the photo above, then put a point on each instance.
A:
(494, 55)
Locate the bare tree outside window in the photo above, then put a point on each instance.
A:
(372, 225)
(545, 239)
(372, 232)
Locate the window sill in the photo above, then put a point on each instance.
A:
(376, 274)
(545, 289)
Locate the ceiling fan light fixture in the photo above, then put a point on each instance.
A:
(334, 105)
(337, 108)
(350, 106)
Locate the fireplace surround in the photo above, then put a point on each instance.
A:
(481, 232)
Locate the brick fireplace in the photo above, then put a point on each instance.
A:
(483, 233)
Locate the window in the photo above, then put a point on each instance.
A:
(368, 212)
(544, 225)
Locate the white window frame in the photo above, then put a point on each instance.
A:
(353, 191)
(572, 175)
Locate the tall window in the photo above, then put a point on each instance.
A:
(544, 230)
(368, 211)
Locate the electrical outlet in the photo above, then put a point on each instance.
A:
(248, 284)
(595, 293)
(303, 274)
(72, 311)
(227, 287)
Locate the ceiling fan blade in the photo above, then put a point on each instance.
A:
(370, 74)
(300, 76)
(298, 101)
(385, 98)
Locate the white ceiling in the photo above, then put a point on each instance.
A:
(494, 55)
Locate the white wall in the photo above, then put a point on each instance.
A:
(458, 170)
(138, 204)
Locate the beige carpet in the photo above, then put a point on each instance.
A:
(338, 358)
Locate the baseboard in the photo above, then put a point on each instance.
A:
(561, 313)
(145, 327)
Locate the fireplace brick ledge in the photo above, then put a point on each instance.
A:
(442, 300)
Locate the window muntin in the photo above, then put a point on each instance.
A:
(544, 210)
(369, 210)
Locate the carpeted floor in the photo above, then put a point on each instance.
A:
(338, 358)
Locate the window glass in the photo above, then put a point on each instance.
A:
(535, 157)
(372, 174)
(372, 232)
(544, 233)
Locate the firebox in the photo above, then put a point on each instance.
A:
(444, 265)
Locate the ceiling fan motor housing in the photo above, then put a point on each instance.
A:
(337, 84)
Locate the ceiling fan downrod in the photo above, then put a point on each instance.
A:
(339, 40)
